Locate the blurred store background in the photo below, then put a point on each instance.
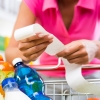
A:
(8, 13)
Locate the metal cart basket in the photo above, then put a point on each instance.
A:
(67, 93)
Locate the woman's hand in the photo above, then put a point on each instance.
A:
(79, 52)
(34, 46)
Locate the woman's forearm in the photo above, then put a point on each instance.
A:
(25, 18)
(12, 53)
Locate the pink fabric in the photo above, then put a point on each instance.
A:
(83, 26)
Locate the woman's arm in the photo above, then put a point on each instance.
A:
(25, 17)
(27, 49)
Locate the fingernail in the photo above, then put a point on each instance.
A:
(41, 35)
(51, 40)
(50, 36)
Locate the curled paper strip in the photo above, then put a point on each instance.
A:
(73, 75)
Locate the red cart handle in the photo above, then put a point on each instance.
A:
(61, 67)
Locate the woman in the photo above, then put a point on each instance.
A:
(70, 21)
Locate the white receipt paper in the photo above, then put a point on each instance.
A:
(73, 75)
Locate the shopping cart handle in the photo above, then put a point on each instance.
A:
(62, 67)
(47, 67)
(91, 67)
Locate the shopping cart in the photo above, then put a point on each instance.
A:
(66, 93)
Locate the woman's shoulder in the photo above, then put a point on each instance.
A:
(34, 2)
(34, 5)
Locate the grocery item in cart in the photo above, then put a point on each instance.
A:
(11, 90)
(1, 90)
(1, 97)
(29, 82)
(1, 58)
(6, 70)
(93, 99)
(2, 94)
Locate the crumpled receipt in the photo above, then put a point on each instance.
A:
(73, 75)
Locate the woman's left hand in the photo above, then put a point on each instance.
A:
(78, 51)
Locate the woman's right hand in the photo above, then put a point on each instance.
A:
(34, 46)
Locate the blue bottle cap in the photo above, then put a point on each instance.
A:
(7, 80)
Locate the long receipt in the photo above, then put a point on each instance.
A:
(73, 75)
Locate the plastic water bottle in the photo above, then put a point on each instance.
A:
(28, 80)
(11, 90)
